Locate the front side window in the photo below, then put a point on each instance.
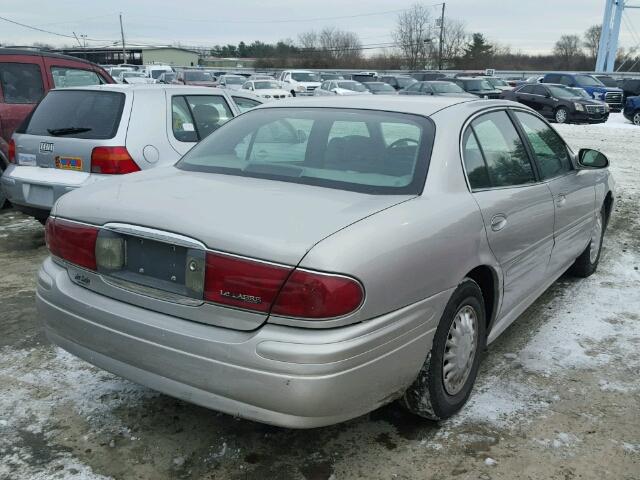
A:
(550, 151)
(503, 151)
(74, 77)
(21, 82)
(245, 104)
(349, 149)
(528, 89)
(193, 117)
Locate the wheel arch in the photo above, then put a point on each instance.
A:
(487, 279)
(608, 206)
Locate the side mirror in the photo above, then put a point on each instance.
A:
(301, 136)
(592, 159)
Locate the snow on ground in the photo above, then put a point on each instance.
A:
(579, 341)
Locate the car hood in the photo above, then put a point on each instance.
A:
(258, 218)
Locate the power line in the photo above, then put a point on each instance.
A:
(49, 31)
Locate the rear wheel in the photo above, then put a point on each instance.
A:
(636, 118)
(587, 263)
(562, 115)
(446, 379)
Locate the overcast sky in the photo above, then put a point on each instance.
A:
(531, 27)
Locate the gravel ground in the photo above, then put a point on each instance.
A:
(558, 394)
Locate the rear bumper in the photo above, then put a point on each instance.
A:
(279, 375)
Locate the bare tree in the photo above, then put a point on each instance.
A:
(455, 38)
(414, 34)
(331, 47)
(568, 49)
(591, 40)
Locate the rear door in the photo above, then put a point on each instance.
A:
(22, 85)
(573, 190)
(517, 211)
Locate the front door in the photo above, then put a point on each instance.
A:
(518, 213)
(573, 191)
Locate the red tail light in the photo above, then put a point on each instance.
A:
(112, 161)
(263, 287)
(12, 151)
(317, 295)
(242, 283)
(73, 242)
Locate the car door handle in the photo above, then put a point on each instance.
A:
(561, 199)
(498, 222)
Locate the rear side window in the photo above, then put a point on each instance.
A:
(74, 77)
(245, 104)
(358, 150)
(551, 152)
(78, 114)
(193, 117)
(502, 149)
(21, 82)
(477, 171)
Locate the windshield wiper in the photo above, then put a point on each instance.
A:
(57, 132)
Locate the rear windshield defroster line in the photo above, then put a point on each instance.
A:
(95, 114)
(367, 151)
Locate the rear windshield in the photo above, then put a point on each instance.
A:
(357, 150)
(77, 114)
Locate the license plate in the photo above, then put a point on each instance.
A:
(26, 159)
(69, 163)
(46, 147)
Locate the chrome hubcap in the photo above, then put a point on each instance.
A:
(636, 119)
(460, 349)
(596, 238)
(561, 116)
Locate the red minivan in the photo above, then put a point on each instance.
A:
(25, 77)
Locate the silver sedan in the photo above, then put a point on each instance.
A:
(312, 260)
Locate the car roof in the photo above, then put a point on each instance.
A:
(40, 53)
(424, 106)
(157, 87)
(437, 81)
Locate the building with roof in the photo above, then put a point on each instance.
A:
(136, 55)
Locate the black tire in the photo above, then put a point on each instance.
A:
(636, 117)
(586, 264)
(561, 115)
(428, 397)
(293, 93)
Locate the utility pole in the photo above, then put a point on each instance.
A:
(124, 50)
(441, 38)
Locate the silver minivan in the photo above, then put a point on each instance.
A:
(78, 136)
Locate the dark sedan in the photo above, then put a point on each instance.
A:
(437, 88)
(560, 103)
(477, 86)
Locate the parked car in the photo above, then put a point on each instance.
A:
(330, 76)
(498, 83)
(76, 137)
(195, 77)
(154, 70)
(427, 76)
(594, 87)
(341, 87)
(167, 78)
(478, 86)
(630, 87)
(398, 81)
(297, 317)
(261, 77)
(606, 80)
(266, 89)
(632, 110)
(560, 103)
(231, 82)
(116, 71)
(131, 77)
(438, 88)
(26, 76)
(299, 82)
(380, 88)
(364, 77)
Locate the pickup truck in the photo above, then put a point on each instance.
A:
(632, 110)
(299, 82)
(612, 96)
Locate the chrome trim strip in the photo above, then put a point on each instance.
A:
(154, 293)
(154, 234)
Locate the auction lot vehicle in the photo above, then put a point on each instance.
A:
(380, 88)
(266, 89)
(132, 77)
(198, 78)
(245, 279)
(76, 137)
(438, 88)
(341, 87)
(231, 82)
(427, 76)
(398, 81)
(632, 110)
(613, 96)
(26, 76)
(299, 82)
(154, 71)
(477, 86)
(630, 87)
(560, 103)
(498, 83)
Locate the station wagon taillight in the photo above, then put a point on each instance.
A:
(12, 151)
(282, 291)
(112, 161)
(71, 241)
